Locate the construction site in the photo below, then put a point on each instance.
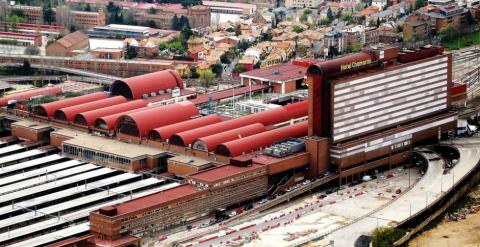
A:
(150, 158)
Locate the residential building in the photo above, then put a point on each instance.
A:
(22, 39)
(198, 16)
(416, 27)
(302, 3)
(448, 15)
(63, 16)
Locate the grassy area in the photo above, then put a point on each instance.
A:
(463, 41)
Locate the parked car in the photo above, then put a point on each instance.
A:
(262, 201)
(206, 224)
(232, 214)
(248, 206)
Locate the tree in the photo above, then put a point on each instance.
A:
(193, 73)
(175, 23)
(238, 30)
(243, 45)
(32, 50)
(88, 8)
(48, 14)
(266, 37)
(217, 69)
(386, 236)
(239, 68)
(447, 33)
(114, 13)
(151, 10)
(346, 17)
(307, 11)
(420, 3)
(207, 76)
(72, 28)
(14, 20)
(131, 52)
(224, 58)
(359, 7)
(349, 49)
(297, 29)
(324, 22)
(330, 16)
(162, 46)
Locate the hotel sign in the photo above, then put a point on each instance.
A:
(353, 65)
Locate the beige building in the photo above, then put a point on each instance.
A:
(302, 3)
(66, 45)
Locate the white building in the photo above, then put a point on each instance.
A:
(302, 3)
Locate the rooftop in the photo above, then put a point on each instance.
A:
(221, 173)
(130, 28)
(228, 5)
(190, 160)
(31, 125)
(278, 73)
(72, 39)
(156, 199)
(110, 146)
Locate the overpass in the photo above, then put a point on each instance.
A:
(68, 70)
(55, 78)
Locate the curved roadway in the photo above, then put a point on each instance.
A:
(430, 188)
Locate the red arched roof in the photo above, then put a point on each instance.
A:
(45, 91)
(266, 118)
(135, 87)
(109, 122)
(261, 140)
(49, 109)
(141, 122)
(210, 143)
(165, 132)
(88, 118)
(68, 113)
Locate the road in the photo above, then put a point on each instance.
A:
(429, 189)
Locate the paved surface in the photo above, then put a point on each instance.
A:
(426, 192)
(309, 215)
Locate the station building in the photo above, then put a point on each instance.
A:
(365, 111)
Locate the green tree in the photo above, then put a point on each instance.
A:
(175, 23)
(330, 14)
(32, 50)
(238, 30)
(239, 68)
(324, 22)
(297, 29)
(151, 10)
(224, 59)
(14, 20)
(88, 8)
(386, 236)
(447, 33)
(420, 3)
(346, 17)
(193, 73)
(114, 13)
(217, 69)
(48, 14)
(359, 7)
(130, 52)
(207, 76)
(307, 11)
(162, 46)
(266, 37)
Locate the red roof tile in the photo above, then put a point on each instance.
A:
(220, 173)
(156, 199)
(281, 72)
